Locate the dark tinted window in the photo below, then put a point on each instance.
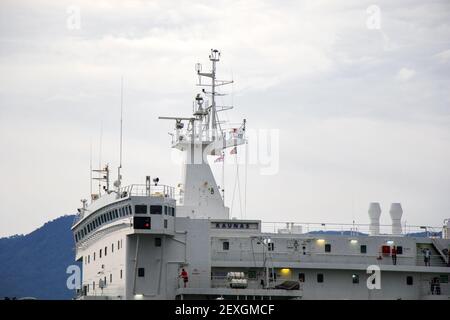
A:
(155, 209)
(225, 245)
(399, 250)
(165, 223)
(165, 210)
(363, 248)
(355, 278)
(142, 223)
(320, 277)
(301, 277)
(327, 247)
(409, 280)
(141, 272)
(157, 242)
(140, 209)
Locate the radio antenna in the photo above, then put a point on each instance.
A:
(119, 177)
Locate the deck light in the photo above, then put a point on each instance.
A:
(353, 241)
(138, 296)
(321, 241)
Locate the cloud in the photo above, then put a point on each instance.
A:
(405, 74)
(357, 109)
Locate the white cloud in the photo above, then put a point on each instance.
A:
(405, 74)
(342, 96)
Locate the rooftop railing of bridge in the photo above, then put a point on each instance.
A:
(346, 229)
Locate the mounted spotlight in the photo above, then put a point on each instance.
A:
(155, 181)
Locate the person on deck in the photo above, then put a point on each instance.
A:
(184, 276)
(394, 255)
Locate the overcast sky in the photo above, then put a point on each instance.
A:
(359, 91)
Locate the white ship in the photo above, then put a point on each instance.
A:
(133, 242)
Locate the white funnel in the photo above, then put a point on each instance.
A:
(396, 213)
(374, 215)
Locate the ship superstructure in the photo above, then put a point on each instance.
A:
(134, 241)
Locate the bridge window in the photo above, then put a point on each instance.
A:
(165, 223)
(225, 245)
(155, 209)
(271, 246)
(320, 277)
(165, 210)
(141, 272)
(140, 209)
(355, 278)
(363, 248)
(327, 247)
(409, 280)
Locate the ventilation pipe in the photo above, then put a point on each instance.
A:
(374, 215)
(396, 213)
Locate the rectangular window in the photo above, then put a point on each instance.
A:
(327, 247)
(112, 247)
(94, 256)
(409, 280)
(157, 242)
(141, 272)
(93, 285)
(355, 278)
(165, 223)
(363, 248)
(140, 209)
(173, 212)
(120, 273)
(116, 214)
(118, 244)
(142, 223)
(106, 251)
(165, 210)
(155, 209)
(399, 250)
(100, 255)
(271, 246)
(89, 258)
(320, 277)
(301, 277)
(225, 245)
(110, 277)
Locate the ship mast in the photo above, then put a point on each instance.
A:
(199, 137)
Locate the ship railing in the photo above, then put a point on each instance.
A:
(438, 287)
(152, 190)
(347, 229)
(254, 283)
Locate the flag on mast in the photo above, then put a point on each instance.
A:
(220, 158)
(233, 151)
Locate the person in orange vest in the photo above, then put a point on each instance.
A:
(184, 276)
(394, 255)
